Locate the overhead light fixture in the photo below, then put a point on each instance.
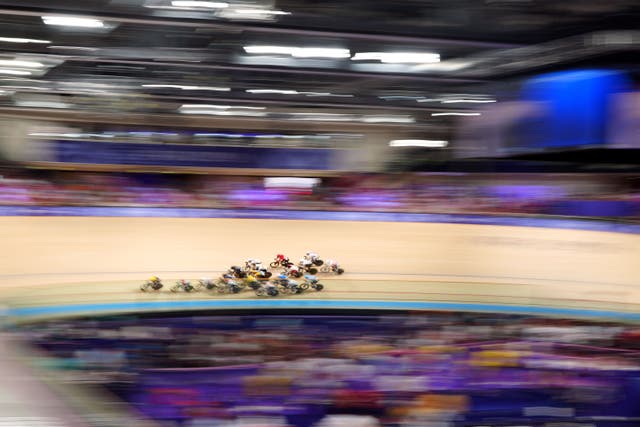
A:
(43, 104)
(269, 50)
(397, 57)
(20, 64)
(467, 101)
(88, 49)
(200, 4)
(218, 107)
(213, 88)
(298, 52)
(276, 91)
(400, 97)
(261, 12)
(73, 21)
(428, 143)
(65, 135)
(336, 95)
(29, 88)
(21, 40)
(15, 72)
(224, 113)
(295, 92)
(388, 119)
(450, 65)
(455, 114)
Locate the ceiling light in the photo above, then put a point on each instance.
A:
(200, 4)
(429, 143)
(73, 21)
(219, 89)
(219, 107)
(24, 87)
(277, 91)
(450, 65)
(400, 97)
(299, 52)
(90, 49)
(295, 92)
(15, 72)
(397, 57)
(43, 104)
(337, 95)
(467, 101)
(269, 50)
(225, 113)
(213, 88)
(261, 12)
(454, 114)
(388, 119)
(18, 63)
(21, 40)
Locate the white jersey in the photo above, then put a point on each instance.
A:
(312, 256)
(304, 262)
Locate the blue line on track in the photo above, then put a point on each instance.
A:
(102, 308)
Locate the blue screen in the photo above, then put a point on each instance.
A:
(575, 105)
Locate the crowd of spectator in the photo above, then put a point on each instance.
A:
(398, 370)
(349, 192)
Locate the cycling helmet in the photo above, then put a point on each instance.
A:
(227, 276)
(282, 277)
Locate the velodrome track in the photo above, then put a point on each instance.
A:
(73, 265)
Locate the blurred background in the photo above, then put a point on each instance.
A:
(472, 111)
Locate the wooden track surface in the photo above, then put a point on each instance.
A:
(68, 260)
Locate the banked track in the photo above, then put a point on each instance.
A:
(83, 265)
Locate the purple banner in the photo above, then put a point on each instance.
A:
(577, 224)
(112, 153)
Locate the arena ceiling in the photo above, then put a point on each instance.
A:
(347, 62)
